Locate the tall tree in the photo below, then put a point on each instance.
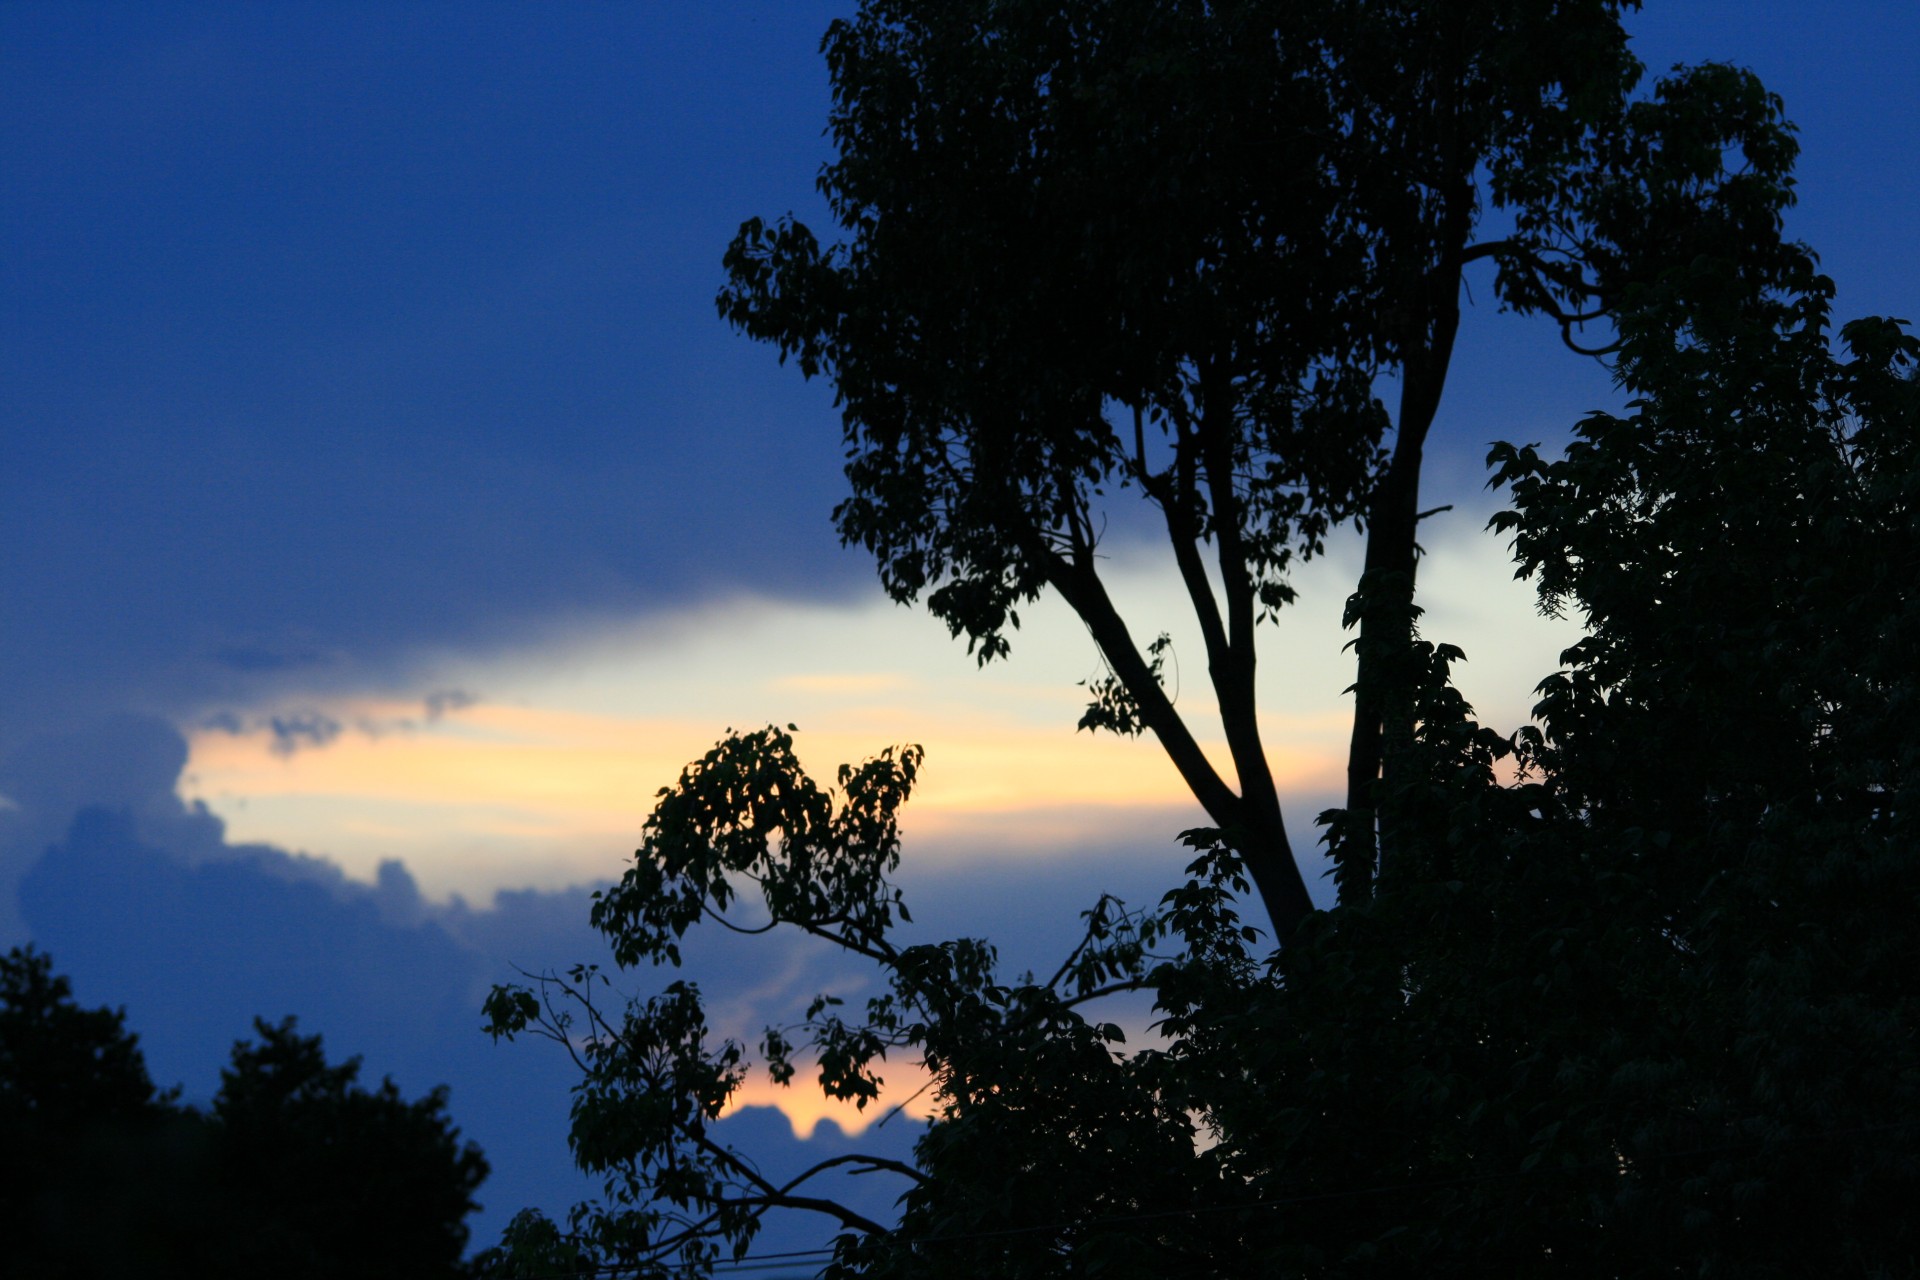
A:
(1180, 248)
(1646, 1012)
(85, 1132)
(295, 1170)
(319, 1175)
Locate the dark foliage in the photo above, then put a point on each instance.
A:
(1645, 1009)
(1626, 993)
(319, 1176)
(85, 1134)
(1174, 248)
(295, 1170)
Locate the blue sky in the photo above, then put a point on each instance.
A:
(375, 473)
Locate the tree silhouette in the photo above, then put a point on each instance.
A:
(1644, 1007)
(1122, 244)
(295, 1170)
(61, 1065)
(86, 1133)
(1645, 1011)
(319, 1176)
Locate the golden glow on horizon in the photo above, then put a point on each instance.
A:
(546, 780)
(504, 773)
(805, 1106)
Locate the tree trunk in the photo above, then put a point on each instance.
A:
(1383, 605)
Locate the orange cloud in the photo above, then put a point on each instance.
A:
(549, 777)
(805, 1106)
(464, 789)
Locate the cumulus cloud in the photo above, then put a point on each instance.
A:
(128, 763)
(140, 899)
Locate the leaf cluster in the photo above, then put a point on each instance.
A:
(1022, 1078)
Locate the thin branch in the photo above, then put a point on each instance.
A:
(1488, 249)
(874, 1164)
(1146, 478)
(1111, 989)
(901, 1105)
(1184, 533)
(727, 924)
(1087, 596)
(1232, 671)
(774, 1197)
(880, 951)
(1079, 947)
(1566, 336)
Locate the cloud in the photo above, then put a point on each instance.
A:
(301, 431)
(195, 951)
(254, 658)
(125, 762)
(144, 904)
(302, 729)
(552, 776)
(442, 702)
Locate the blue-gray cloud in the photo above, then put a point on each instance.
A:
(330, 339)
(444, 702)
(301, 729)
(143, 903)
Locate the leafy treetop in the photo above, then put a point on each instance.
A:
(1175, 248)
(295, 1170)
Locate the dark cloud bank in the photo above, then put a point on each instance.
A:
(332, 338)
(142, 902)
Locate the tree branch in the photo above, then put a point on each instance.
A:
(775, 1197)
(1232, 669)
(1256, 834)
(874, 1164)
(1111, 989)
(1382, 711)
(1087, 596)
(1184, 534)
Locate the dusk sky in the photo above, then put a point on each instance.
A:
(385, 515)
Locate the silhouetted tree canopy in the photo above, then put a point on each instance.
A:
(61, 1065)
(295, 1170)
(1645, 1009)
(320, 1176)
(1626, 992)
(87, 1185)
(1180, 248)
